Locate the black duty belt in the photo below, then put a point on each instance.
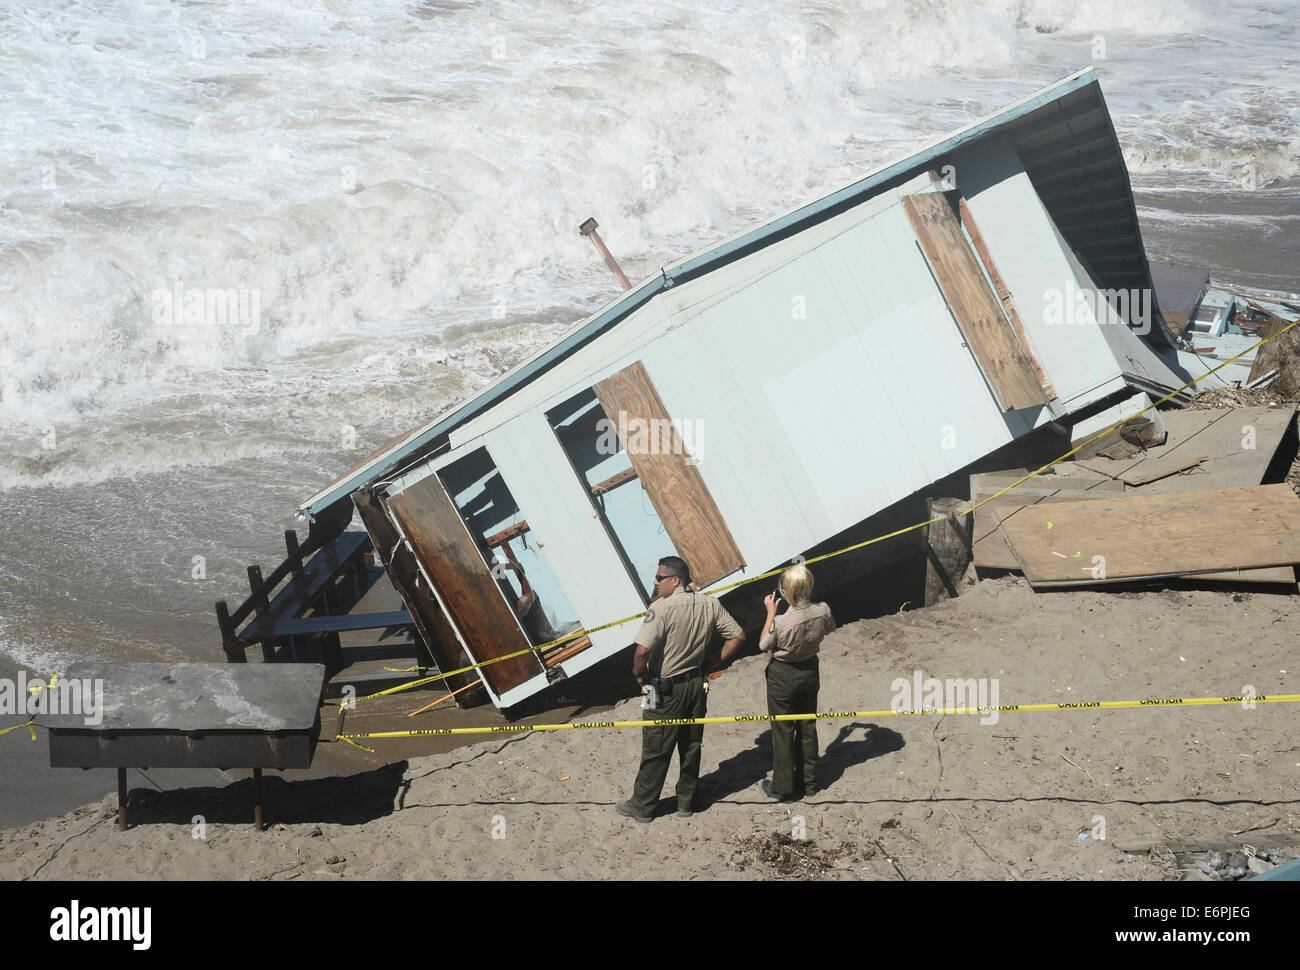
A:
(683, 677)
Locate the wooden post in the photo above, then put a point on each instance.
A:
(588, 229)
(229, 642)
(121, 799)
(948, 549)
(295, 554)
(260, 605)
(260, 602)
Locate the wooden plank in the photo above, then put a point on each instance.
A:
(435, 632)
(991, 548)
(614, 481)
(1271, 575)
(1219, 434)
(1152, 536)
(563, 651)
(974, 306)
(993, 552)
(1150, 469)
(676, 489)
(327, 623)
(451, 560)
(309, 585)
(1004, 296)
(1066, 476)
(506, 534)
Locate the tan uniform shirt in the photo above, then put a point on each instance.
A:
(683, 624)
(799, 632)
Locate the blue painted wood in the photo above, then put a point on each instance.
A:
(337, 624)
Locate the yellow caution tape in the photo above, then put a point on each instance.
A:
(34, 690)
(355, 744)
(54, 682)
(829, 715)
(16, 727)
(838, 552)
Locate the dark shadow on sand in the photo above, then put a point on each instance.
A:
(348, 800)
(747, 769)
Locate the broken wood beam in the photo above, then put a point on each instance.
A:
(626, 475)
(563, 651)
(506, 534)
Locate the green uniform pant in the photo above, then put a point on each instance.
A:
(792, 689)
(657, 743)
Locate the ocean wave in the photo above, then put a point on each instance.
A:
(365, 174)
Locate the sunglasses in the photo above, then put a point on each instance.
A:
(660, 579)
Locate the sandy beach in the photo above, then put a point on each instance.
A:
(916, 798)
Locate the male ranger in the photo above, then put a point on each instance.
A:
(670, 656)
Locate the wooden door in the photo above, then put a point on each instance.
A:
(466, 586)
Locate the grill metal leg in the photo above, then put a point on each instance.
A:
(257, 799)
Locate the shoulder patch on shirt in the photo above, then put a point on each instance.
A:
(649, 615)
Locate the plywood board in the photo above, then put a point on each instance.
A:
(671, 479)
(452, 562)
(1239, 443)
(1147, 471)
(991, 548)
(1067, 476)
(990, 337)
(1150, 536)
(1004, 295)
(1270, 575)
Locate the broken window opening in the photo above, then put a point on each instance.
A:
(519, 566)
(590, 440)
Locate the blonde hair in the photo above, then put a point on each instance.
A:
(797, 584)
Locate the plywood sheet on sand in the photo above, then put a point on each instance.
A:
(1150, 536)
(1145, 472)
(1238, 444)
(990, 545)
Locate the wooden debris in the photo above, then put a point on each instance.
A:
(1152, 536)
(990, 545)
(1149, 470)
